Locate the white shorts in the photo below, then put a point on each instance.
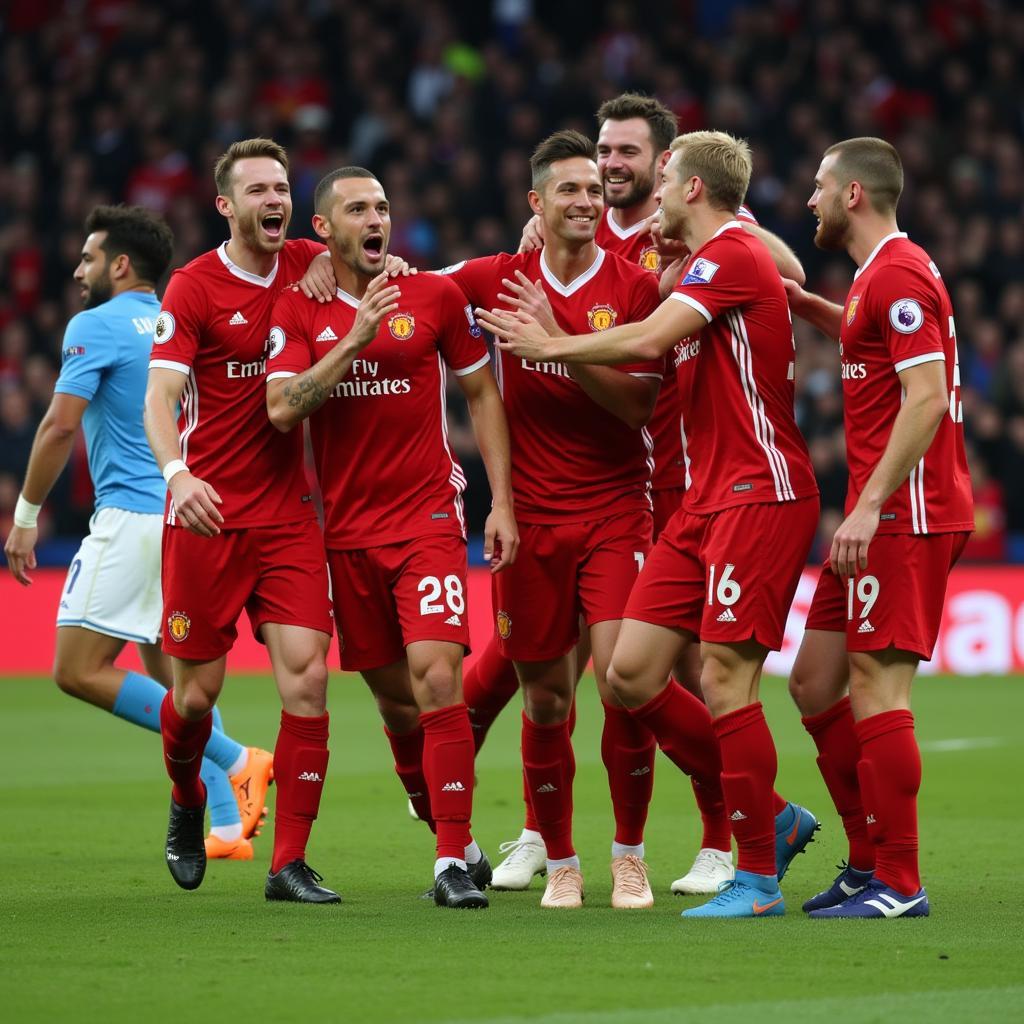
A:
(113, 583)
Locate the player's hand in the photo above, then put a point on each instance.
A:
(20, 550)
(380, 298)
(515, 332)
(501, 538)
(849, 553)
(669, 249)
(195, 504)
(533, 235)
(395, 266)
(319, 281)
(794, 293)
(670, 276)
(530, 297)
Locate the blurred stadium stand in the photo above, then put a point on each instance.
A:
(110, 100)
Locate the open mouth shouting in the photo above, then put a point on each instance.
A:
(373, 248)
(273, 225)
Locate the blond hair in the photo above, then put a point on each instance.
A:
(875, 164)
(722, 163)
(244, 149)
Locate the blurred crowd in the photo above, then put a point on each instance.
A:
(112, 100)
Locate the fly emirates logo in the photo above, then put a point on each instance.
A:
(363, 382)
(851, 371)
(555, 369)
(687, 349)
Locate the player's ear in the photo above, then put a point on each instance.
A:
(536, 203)
(224, 206)
(321, 227)
(854, 194)
(120, 267)
(696, 188)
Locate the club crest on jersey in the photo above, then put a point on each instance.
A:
(700, 271)
(164, 329)
(275, 342)
(851, 310)
(402, 326)
(905, 316)
(178, 625)
(650, 259)
(601, 317)
(504, 625)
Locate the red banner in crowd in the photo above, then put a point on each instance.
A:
(982, 629)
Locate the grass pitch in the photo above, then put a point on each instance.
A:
(92, 927)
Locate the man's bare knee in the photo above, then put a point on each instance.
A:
(437, 687)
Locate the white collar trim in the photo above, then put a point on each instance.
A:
(245, 275)
(727, 226)
(877, 249)
(618, 231)
(577, 282)
(346, 297)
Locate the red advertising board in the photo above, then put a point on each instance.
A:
(982, 630)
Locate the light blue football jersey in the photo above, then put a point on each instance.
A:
(105, 360)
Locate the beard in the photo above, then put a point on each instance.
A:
(97, 293)
(639, 192)
(833, 228)
(253, 238)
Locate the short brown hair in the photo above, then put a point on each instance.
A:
(141, 235)
(243, 150)
(721, 161)
(323, 197)
(562, 145)
(875, 164)
(661, 121)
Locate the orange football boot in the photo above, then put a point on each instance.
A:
(250, 786)
(232, 849)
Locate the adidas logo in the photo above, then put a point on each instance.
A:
(871, 820)
(237, 319)
(642, 770)
(310, 777)
(737, 816)
(866, 627)
(453, 787)
(547, 788)
(453, 620)
(727, 616)
(327, 335)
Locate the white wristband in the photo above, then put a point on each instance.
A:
(173, 468)
(25, 513)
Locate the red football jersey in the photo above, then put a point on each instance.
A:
(571, 459)
(381, 440)
(736, 379)
(213, 327)
(665, 429)
(898, 314)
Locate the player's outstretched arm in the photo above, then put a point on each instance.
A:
(319, 281)
(787, 262)
(51, 450)
(926, 402)
(520, 334)
(291, 399)
(818, 312)
(487, 412)
(195, 501)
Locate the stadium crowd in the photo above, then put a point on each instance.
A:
(109, 100)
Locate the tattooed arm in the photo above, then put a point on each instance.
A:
(291, 399)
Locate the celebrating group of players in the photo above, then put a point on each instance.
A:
(644, 293)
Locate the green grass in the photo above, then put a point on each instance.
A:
(93, 929)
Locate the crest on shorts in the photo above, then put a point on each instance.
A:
(402, 326)
(851, 310)
(601, 317)
(178, 625)
(650, 259)
(504, 625)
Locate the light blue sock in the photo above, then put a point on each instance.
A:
(139, 701)
(220, 797)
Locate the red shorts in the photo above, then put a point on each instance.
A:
(667, 503)
(388, 597)
(562, 572)
(728, 576)
(897, 601)
(276, 573)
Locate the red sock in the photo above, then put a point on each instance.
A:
(489, 684)
(530, 821)
(748, 773)
(549, 768)
(300, 767)
(682, 725)
(835, 735)
(407, 748)
(890, 776)
(448, 769)
(627, 749)
(779, 803)
(184, 743)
